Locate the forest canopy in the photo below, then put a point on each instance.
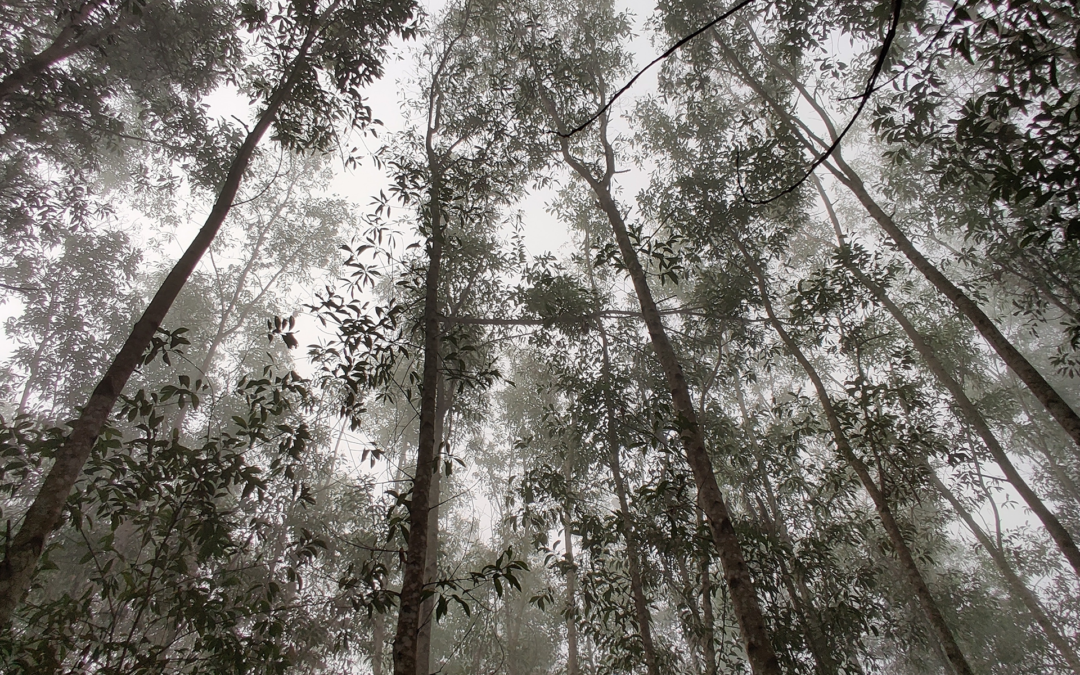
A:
(703, 337)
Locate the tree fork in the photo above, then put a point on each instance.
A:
(64, 45)
(21, 557)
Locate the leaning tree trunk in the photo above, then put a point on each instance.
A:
(801, 597)
(759, 649)
(1016, 585)
(1039, 442)
(953, 654)
(1057, 531)
(970, 411)
(1017, 362)
(17, 568)
(1046, 394)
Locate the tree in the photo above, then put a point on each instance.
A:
(366, 35)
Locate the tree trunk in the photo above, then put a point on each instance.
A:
(689, 621)
(954, 656)
(1016, 585)
(22, 555)
(633, 553)
(378, 636)
(759, 649)
(412, 586)
(1017, 362)
(571, 572)
(971, 413)
(431, 571)
(795, 583)
(1039, 442)
(708, 637)
(223, 331)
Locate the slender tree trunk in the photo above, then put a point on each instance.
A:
(759, 649)
(223, 331)
(571, 571)
(66, 43)
(412, 586)
(431, 571)
(967, 407)
(633, 552)
(35, 362)
(1016, 585)
(689, 621)
(1017, 362)
(1038, 440)
(378, 637)
(22, 554)
(795, 584)
(708, 637)
(940, 629)
(1057, 531)
(513, 630)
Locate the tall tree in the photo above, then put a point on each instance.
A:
(596, 66)
(352, 52)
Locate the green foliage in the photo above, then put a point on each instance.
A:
(183, 569)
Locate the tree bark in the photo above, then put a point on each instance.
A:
(431, 570)
(16, 570)
(406, 641)
(759, 649)
(571, 573)
(939, 628)
(1016, 585)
